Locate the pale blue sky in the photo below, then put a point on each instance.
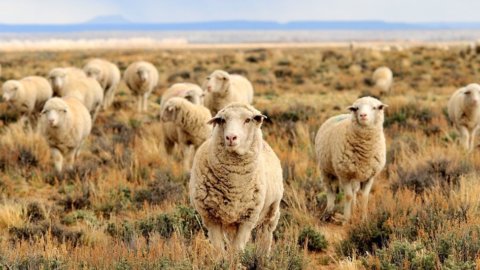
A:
(74, 11)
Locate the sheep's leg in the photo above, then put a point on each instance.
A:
(465, 137)
(347, 204)
(356, 188)
(187, 157)
(145, 102)
(241, 237)
(265, 231)
(365, 196)
(139, 103)
(215, 235)
(70, 159)
(472, 139)
(331, 194)
(57, 159)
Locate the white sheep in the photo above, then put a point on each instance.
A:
(27, 96)
(383, 78)
(351, 151)
(188, 91)
(74, 82)
(107, 74)
(464, 112)
(65, 124)
(236, 180)
(141, 78)
(222, 88)
(190, 123)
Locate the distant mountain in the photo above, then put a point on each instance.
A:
(109, 19)
(119, 23)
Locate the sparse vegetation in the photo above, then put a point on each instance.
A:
(125, 204)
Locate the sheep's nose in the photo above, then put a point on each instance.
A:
(209, 88)
(231, 138)
(363, 115)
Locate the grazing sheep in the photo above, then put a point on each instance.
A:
(74, 82)
(188, 91)
(107, 74)
(351, 151)
(464, 112)
(141, 78)
(383, 78)
(65, 124)
(222, 89)
(190, 123)
(27, 95)
(236, 180)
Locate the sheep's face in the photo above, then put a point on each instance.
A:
(10, 90)
(169, 112)
(472, 95)
(143, 74)
(54, 112)
(237, 127)
(57, 80)
(368, 111)
(217, 82)
(194, 97)
(93, 72)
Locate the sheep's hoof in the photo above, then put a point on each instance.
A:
(339, 219)
(328, 216)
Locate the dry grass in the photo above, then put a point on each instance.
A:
(125, 204)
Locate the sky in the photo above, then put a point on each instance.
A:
(151, 11)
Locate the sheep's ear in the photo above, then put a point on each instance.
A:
(259, 118)
(217, 120)
(352, 108)
(382, 106)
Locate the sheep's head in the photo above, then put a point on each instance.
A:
(93, 72)
(368, 111)
(57, 77)
(236, 127)
(194, 96)
(170, 110)
(143, 73)
(217, 82)
(54, 111)
(471, 95)
(10, 90)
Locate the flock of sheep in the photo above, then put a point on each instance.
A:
(236, 182)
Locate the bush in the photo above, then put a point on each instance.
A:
(315, 241)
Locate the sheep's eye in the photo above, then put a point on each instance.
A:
(64, 111)
(468, 93)
(247, 120)
(380, 107)
(208, 78)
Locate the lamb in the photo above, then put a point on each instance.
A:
(141, 78)
(27, 95)
(383, 78)
(190, 123)
(107, 74)
(65, 124)
(74, 82)
(223, 88)
(351, 152)
(188, 91)
(236, 180)
(464, 112)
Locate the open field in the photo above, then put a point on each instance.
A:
(125, 204)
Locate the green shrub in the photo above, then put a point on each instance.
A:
(314, 240)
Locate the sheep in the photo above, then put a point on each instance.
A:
(190, 92)
(65, 124)
(141, 78)
(190, 123)
(236, 180)
(464, 112)
(27, 95)
(222, 88)
(351, 151)
(107, 74)
(74, 82)
(383, 78)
